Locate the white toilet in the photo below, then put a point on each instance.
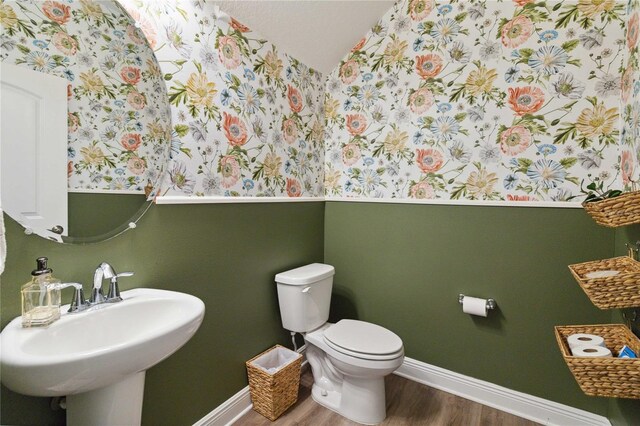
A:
(349, 359)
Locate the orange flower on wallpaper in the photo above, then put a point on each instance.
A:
(293, 188)
(356, 124)
(513, 197)
(525, 100)
(429, 160)
(57, 12)
(359, 45)
(429, 65)
(234, 130)
(239, 26)
(295, 99)
(130, 75)
(131, 141)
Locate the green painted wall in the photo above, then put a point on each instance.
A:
(226, 254)
(402, 266)
(624, 412)
(91, 215)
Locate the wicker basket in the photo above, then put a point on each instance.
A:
(617, 211)
(273, 393)
(610, 377)
(619, 291)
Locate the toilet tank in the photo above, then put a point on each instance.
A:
(304, 295)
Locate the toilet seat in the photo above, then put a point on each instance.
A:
(363, 340)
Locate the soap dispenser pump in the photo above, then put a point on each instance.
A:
(40, 297)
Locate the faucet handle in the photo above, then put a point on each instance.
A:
(78, 302)
(114, 292)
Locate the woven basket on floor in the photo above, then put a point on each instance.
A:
(619, 291)
(272, 394)
(610, 377)
(617, 211)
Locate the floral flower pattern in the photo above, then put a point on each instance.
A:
(247, 118)
(118, 117)
(485, 100)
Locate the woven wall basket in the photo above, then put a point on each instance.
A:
(614, 212)
(619, 291)
(609, 377)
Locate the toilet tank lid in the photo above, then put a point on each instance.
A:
(307, 274)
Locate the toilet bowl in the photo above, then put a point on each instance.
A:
(348, 380)
(348, 359)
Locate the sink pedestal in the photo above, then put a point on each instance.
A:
(116, 404)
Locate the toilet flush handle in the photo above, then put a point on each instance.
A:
(306, 289)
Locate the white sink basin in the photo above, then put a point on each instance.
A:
(90, 350)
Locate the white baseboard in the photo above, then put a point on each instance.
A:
(517, 403)
(229, 411)
(235, 407)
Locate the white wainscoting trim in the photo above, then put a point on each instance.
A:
(180, 199)
(517, 403)
(183, 199)
(444, 202)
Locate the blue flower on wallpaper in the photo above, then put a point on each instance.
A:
(225, 97)
(444, 107)
(548, 35)
(445, 30)
(549, 59)
(548, 173)
(249, 99)
(510, 181)
(547, 149)
(512, 74)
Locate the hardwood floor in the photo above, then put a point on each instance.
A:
(408, 403)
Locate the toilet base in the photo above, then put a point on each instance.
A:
(359, 400)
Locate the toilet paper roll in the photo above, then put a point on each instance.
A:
(591, 352)
(582, 339)
(474, 306)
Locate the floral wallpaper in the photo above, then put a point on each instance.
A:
(247, 118)
(485, 100)
(629, 159)
(117, 103)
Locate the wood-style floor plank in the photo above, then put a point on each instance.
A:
(408, 403)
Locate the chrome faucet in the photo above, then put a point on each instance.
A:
(106, 271)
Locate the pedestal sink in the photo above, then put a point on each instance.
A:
(98, 358)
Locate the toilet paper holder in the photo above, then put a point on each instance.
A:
(491, 303)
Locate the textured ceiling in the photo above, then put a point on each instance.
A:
(317, 32)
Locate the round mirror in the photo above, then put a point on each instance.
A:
(86, 128)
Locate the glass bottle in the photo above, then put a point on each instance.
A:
(40, 297)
